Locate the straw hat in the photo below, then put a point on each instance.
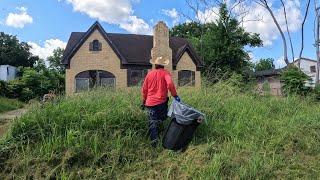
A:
(160, 61)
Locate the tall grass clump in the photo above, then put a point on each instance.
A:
(103, 134)
(9, 104)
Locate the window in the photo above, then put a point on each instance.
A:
(90, 79)
(186, 78)
(313, 69)
(136, 76)
(82, 84)
(108, 82)
(95, 45)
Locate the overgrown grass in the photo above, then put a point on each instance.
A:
(103, 134)
(9, 104)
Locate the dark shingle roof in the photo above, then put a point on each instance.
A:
(131, 48)
(269, 72)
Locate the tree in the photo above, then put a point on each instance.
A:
(223, 42)
(55, 61)
(294, 80)
(15, 53)
(264, 64)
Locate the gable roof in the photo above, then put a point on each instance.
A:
(306, 59)
(132, 49)
(269, 72)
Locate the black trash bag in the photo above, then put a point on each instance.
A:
(184, 123)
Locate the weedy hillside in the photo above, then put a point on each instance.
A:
(103, 135)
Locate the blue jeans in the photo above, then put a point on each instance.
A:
(157, 114)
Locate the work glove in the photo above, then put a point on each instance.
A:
(177, 98)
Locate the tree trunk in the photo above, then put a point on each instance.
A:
(288, 31)
(285, 48)
(302, 31)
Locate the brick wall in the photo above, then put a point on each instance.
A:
(186, 63)
(105, 60)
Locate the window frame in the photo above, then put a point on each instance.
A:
(88, 84)
(192, 79)
(95, 45)
(313, 69)
(143, 73)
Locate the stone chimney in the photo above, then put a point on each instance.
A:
(161, 46)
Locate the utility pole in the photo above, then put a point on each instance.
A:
(317, 8)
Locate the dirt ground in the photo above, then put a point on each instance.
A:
(7, 117)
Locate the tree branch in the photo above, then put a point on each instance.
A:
(302, 31)
(288, 31)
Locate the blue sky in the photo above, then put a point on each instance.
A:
(47, 24)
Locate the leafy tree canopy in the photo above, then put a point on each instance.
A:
(55, 61)
(15, 53)
(264, 64)
(220, 44)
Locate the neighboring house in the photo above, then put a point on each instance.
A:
(269, 81)
(309, 67)
(271, 77)
(7, 72)
(96, 58)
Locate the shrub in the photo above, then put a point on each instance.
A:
(294, 81)
(32, 84)
(317, 92)
(14, 88)
(26, 94)
(3, 88)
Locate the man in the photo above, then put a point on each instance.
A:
(155, 96)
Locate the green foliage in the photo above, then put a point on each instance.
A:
(55, 61)
(34, 84)
(317, 92)
(3, 88)
(15, 53)
(9, 105)
(220, 44)
(264, 64)
(294, 81)
(104, 134)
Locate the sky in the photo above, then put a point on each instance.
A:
(47, 24)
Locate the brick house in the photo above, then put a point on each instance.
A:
(96, 58)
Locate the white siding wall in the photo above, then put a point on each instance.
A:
(7, 72)
(305, 67)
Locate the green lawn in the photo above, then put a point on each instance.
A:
(102, 135)
(9, 104)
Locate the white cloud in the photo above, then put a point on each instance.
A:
(117, 12)
(172, 13)
(19, 20)
(209, 15)
(47, 49)
(258, 19)
(279, 63)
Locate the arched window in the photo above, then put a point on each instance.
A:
(186, 78)
(87, 80)
(95, 45)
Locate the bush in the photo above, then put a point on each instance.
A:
(317, 92)
(32, 84)
(294, 81)
(3, 88)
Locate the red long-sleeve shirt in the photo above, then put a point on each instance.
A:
(155, 87)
